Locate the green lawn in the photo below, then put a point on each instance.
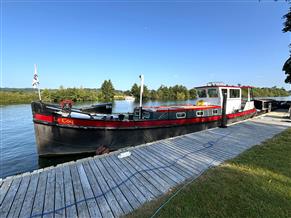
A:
(255, 184)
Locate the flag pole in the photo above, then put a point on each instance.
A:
(37, 83)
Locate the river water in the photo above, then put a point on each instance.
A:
(18, 149)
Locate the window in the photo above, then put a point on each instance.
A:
(199, 113)
(180, 115)
(224, 91)
(202, 93)
(212, 93)
(234, 93)
(215, 111)
(136, 113)
(146, 115)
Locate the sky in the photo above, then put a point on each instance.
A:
(83, 43)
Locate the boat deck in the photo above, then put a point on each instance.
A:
(109, 186)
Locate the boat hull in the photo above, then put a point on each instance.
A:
(53, 140)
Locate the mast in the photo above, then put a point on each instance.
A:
(140, 96)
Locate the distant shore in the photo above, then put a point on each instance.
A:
(10, 96)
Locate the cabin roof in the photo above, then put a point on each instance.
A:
(223, 86)
(179, 108)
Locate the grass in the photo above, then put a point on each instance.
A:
(257, 183)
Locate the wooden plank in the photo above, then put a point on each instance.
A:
(133, 187)
(26, 208)
(70, 202)
(176, 167)
(185, 158)
(225, 151)
(120, 197)
(146, 188)
(164, 170)
(38, 204)
(152, 176)
(49, 199)
(157, 168)
(107, 192)
(60, 210)
(206, 150)
(18, 200)
(9, 198)
(197, 158)
(78, 191)
(123, 185)
(170, 167)
(181, 160)
(4, 189)
(145, 179)
(189, 151)
(90, 199)
(99, 196)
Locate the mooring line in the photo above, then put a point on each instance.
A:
(209, 143)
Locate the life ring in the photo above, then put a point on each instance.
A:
(66, 105)
(200, 103)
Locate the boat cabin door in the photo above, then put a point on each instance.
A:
(233, 103)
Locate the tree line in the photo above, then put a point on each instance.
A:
(107, 93)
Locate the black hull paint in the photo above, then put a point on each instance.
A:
(55, 140)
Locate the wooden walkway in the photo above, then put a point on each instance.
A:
(107, 186)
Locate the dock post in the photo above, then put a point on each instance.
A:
(223, 118)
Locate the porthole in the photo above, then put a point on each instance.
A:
(199, 113)
(180, 115)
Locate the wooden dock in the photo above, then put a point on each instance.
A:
(108, 186)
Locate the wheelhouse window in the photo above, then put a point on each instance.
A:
(234, 93)
(146, 115)
(180, 115)
(202, 93)
(212, 93)
(199, 113)
(224, 91)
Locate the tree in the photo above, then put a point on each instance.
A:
(287, 28)
(135, 90)
(192, 93)
(107, 90)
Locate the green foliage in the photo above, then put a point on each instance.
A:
(19, 97)
(177, 92)
(269, 92)
(135, 90)
(107, 91)
(287, 69)
(287, 28)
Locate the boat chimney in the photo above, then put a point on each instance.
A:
(140, 96)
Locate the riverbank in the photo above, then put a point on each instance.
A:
(9, 96)
(255, 184)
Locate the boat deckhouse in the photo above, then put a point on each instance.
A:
(212, 94)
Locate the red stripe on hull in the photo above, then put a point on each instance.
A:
(75, 122)
(44, 118)
(240, 114)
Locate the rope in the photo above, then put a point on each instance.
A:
(210, 144)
